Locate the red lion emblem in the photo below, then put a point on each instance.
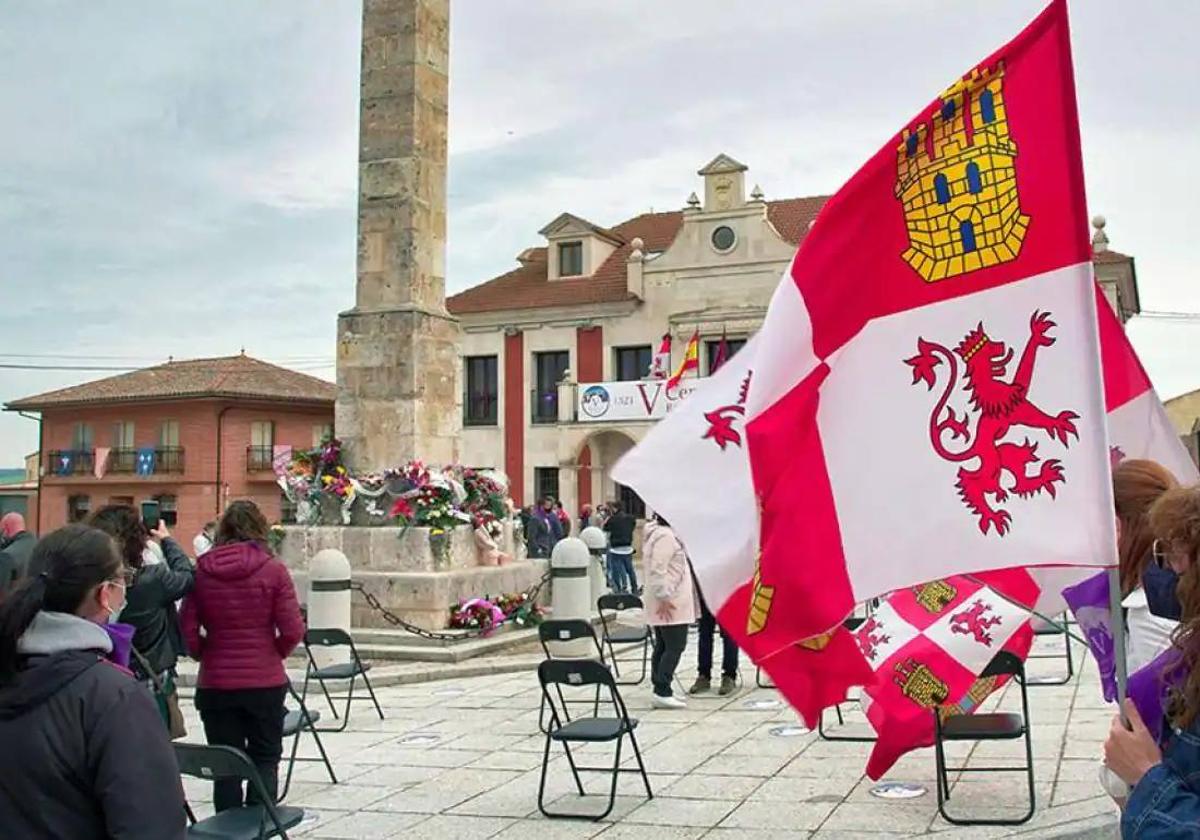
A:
(869, 640)
(1001, 406)
(975, 621)
(720, 420)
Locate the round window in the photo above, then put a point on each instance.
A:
(723, 238)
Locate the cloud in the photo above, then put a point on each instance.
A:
(180, 178)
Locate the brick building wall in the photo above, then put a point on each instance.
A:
(200, 490)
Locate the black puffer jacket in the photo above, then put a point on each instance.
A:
(83, 752)
(150, 608)
(14, 559)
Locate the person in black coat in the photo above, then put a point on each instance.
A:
(16, 545)
(83, 754)
(150, 601)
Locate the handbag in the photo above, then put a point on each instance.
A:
(166, 697)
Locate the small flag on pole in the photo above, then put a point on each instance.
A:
(690, 362)
(721, 356)
(660, 365)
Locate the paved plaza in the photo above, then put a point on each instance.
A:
(459, 758)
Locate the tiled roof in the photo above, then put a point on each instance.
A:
(229, 377)
(527, 286)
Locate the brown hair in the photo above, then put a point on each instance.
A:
(1175, 519)
(125, 526)
(1136, 486)
(242, 522)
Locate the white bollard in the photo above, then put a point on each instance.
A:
(597, 543)
(329, 602)
(571, 590)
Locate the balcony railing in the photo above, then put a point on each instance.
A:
(543, 406)
(260, 458)
(126, 461)
(70, 462)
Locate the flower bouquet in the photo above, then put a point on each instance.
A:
(476, 614)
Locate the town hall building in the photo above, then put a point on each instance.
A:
(588, 307)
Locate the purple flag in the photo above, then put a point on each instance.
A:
(1148, 688)
(1089, 602)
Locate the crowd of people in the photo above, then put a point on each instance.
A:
(95, 616)
(92, 625)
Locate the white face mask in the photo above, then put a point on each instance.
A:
(114, 615)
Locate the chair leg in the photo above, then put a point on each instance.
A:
(328, 699)
(616, 777)
(371, 691)
(1070, 659)
(287, 780)
(645, 660)
(838, 709)
(324, 755)
(574, 770)
(637, 753)
(542, 780)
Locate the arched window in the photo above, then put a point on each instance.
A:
(974, 182)
(941, 188)
(910, 145)
(948, 110)
(966, 231)
(987, 107)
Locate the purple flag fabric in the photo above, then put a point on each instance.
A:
(122, 642)
(1089, 602)
(1148, 688)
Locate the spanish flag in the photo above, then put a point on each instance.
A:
(691, 361)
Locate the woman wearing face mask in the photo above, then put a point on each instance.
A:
(150, 602)
(82, 751)
(1165, 778)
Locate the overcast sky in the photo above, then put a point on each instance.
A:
(178, 178)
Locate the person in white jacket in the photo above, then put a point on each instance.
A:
(1137, 485)
(671, 607)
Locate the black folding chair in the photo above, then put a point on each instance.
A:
(295, 723)
(352, 670)
(561, 631)
(579, 673)
(1043, 629)
(249, 822)
(996, 726)
(613, 633)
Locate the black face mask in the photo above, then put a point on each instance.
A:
(1161, 597)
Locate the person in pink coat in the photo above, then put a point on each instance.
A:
(671, 607)
(242, 620)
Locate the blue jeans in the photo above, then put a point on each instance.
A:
(624, 578)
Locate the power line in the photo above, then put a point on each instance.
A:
(1169, 316)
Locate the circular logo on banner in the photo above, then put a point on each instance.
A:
(595, 401)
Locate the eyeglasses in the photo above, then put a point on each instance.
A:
(124, 577)
(1160, 556)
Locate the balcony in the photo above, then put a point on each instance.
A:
(125, 461)
(67, 462)
(260, 459)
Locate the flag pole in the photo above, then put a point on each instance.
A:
(1117, 622)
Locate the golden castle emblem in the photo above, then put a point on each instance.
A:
(957, 179)
(934, 596)
(920, 684)
(760, 603)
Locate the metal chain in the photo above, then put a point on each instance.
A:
(531, 595)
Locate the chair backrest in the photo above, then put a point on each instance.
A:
(578, 673)
(618, 601)
(327, 637)
(215, 762)
(567, 630)
(1004, 664)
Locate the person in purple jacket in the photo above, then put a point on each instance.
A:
(242, 620)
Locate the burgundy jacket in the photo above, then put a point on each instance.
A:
(242, 619)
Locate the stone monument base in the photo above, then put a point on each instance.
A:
(400, 567)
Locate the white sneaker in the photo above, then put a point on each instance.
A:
(667, 702)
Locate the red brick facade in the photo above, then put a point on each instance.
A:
(201, 490)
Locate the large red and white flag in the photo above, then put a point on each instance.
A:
(924, 397)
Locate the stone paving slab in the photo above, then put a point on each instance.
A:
(461, 757)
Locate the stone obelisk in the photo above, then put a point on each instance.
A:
(398, 349)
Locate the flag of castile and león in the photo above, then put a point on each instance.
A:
(924, 397)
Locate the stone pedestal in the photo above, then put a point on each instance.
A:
(399, 568)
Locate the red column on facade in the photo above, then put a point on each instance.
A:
(514, 415)
(589, 354)
(584, 474)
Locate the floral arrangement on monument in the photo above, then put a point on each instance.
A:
(411, 494)
(488, 614)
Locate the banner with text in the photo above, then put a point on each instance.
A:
(616, 401)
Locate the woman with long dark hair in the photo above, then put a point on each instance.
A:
(150, 602)
(242, 621)
(82, 752)
(1165, 778)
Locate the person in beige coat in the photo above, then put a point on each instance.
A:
(671, 607)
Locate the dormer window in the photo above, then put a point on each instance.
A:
(570, 259)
